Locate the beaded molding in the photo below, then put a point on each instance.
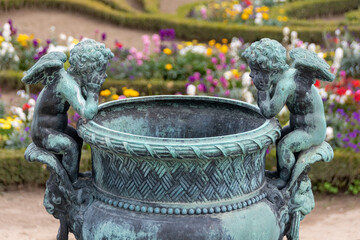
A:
(179, 210)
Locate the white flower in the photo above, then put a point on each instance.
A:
(31, 102)
(16, 58)
(286, 31)
(15, 124)
(58, 48)
(329, 133)
(337, 32)
(237, 7)
(19, 112)
(52, 28)
(246, 79)
(30, 114)
(339, 54)
(294, 35)
(258, 21)
(247, 95)
(191, 90)
(321, 55)
(22, 94)
(62, 36)
(332, 97)
(228, 75)
(312, 47)
(348, 92)
(323, 93)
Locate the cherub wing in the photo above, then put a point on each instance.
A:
(311, 65)
(45, 69)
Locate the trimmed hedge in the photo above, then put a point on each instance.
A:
(150, 6)
(15, 170)
(11, 80)
(340, 172)
(353, 16)
(186, 29)
(120, 5)
(320, 8)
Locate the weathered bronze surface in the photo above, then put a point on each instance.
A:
(179, 167)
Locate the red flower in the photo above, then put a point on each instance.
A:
(26, 106)
(341, 91)
(248, 2)
(118, 45)
(357, 96)
(317, 83)
(355, 83)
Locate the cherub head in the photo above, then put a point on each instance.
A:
(88, 59)
(266, 58)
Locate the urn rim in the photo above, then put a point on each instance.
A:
(138, 145)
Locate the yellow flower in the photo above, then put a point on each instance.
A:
(130, 93)
(167, 51)
(75, 41)
(168, 67)
(264, 9)
(22, 39)
(212, 43)
(218, 45)
(1, 39)
(6, 126)
(188, 43)
(194, 41)
(282, 11)
(216, 5)
(332, 54)
(105, 93)
(285, 19)
(279, 18)
(244, 16)
(2, 120)
(209, 51)
(180, 46)
(265, 16)
(115, 97)
(224, 49)
(224, 41)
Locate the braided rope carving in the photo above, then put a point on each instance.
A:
(177, 180)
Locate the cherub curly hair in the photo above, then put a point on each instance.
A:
(268, 54)
(88, 56)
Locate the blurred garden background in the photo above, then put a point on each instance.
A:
(181, 47)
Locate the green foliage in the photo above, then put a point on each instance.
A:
(120, 5)
(12, 80)
(150, 6)
(342, 172)
(354, 187)
(353, 16)
(187, 29)
(16, 170)
(319, 8)
(2, 108)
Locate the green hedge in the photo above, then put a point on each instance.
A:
(186, 29)
(340, 172)
(353, 16)
(320, 8)
(150, 6)
(11, 80)
(120, 5)
(15, 170)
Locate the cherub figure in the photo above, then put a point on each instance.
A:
(278, 84)
(78, 87)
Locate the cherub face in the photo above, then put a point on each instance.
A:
(260, 77)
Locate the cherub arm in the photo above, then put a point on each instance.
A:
(272, 105)
(71, 91)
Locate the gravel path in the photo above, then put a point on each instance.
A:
(23, 217)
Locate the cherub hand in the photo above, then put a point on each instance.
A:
(95, 82)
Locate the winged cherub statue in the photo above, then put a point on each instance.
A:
(78, 87)
(278, 84)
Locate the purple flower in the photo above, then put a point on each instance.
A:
(192, 79)
(353, 134)
(346, 139)
(35, 43)
(27, 129)
(48, 41)
(167, 34)
(103, 36)
(201, 87)
(132, 77)
(338, 135)
(76, 117)
(197, 75)
(22, 139)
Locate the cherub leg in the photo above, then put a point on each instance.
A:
(79, 141)
(60, 143)
(293, 142)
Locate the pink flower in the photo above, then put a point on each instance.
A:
(212, 89)
(227, 93)
(342, 73)
(197, 75)
(214, 60)
(242, 67)
(209, 78)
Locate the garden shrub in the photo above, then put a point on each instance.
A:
(320, 8)
(12, 81)
(150, 6)
(121, 5)
(187, 29)
(353, 16)
(16, 170)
